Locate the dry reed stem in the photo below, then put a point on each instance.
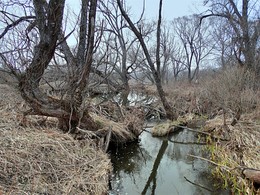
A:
(242, 150)
(46, 161)
(39, 160)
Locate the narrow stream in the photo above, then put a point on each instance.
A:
(159, 167)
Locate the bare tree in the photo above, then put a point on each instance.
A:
(172, 60)
(194, 40)
(166, 50)
(245, 22)
(177, 62)
(44, 19)
(155, 69)
(121, 42)
(224, 45)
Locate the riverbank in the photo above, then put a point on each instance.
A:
(230, 104)
(238, 155)
(226, 112)
(39, 159)
(227, 108)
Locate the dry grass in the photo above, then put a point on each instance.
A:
(162, 129)
(233, 91)
(41, 160)
(120, 133)
(125, 124)
(168, 127)
(49, 162)
(242, 150)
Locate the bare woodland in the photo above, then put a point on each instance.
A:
(203, 64)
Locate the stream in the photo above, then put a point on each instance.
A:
(159, 167)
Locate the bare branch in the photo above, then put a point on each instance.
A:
(15, 23)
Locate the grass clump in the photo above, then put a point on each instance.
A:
(48, 162)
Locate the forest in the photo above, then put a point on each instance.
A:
(73, 84)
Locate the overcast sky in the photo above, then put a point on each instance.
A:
(171, 8)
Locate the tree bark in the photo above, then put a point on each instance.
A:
(49, 22)
(168, 109)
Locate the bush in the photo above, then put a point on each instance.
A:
(233, 91)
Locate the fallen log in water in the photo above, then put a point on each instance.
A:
(252, 174)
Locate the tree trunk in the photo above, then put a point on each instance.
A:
(156, 72)
(124, 95)
(49, 23)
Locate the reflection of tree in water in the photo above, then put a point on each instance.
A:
(179, 152)
(129, 158)
(152, 177)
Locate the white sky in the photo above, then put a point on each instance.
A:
(171, 8)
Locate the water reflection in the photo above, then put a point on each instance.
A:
(157, 166)
(153, 174)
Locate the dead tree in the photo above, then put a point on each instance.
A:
(155, 69)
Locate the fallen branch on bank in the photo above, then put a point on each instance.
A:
(194, 130)
(252, 174)
(179, 142)
(249, 173)
(212, 162)
(202, 132)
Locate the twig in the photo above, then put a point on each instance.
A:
(201, 132)
(108, 138)
(146, 131)
(89, 133)
(178, 142)
(198, 184)
(212, 162)
(149, 126)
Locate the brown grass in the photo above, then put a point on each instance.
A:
(233, 90)
(240, 152)
(41, 160)
(124, 124)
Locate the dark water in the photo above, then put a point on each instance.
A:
(160, 167)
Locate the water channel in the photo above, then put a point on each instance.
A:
(157, 166)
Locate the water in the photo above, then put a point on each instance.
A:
(157, 166)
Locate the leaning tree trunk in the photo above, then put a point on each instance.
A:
(49, 23)
(170, 114)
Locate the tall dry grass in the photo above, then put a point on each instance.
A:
(233, 90)
(38, 159)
